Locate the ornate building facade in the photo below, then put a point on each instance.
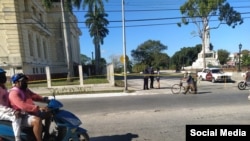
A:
(31, 38)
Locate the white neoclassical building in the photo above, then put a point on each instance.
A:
(32, 38)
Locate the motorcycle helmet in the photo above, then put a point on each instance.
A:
(2, 71)
(18, 77)
(3, 77)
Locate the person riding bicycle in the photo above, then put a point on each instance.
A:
(247, 76)
(190, 82)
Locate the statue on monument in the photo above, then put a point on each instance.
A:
(210, 55)
(207, 40)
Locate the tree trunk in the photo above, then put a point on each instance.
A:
(67, 42)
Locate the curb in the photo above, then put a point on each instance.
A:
(92, 95)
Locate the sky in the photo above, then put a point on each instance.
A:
(140, 27)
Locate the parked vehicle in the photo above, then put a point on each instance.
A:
(66, 126)
(214, 75)
(243, 84)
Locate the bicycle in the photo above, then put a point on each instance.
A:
(179, 88)
(243, 84)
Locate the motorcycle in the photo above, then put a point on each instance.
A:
(66, 126)
(243, 84)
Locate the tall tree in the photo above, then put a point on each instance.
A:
(200, 12)
(97, 23)
(66, 6)
(223, 56)
(147, 53)
(92, 4)
(185, 57)
(245, 60)
(85, 60)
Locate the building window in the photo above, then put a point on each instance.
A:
(38, 47)
(26, 4)
(34, 70)
(40, 17)
(31, 45)
(34, 11)
(45, 49)
(41, 20)
(41, 70)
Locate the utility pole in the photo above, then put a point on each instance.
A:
(124, 48)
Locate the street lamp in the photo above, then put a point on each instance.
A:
(240, 46)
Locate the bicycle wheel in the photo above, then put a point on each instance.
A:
(242, 85)
(176, 89)
(183, 89)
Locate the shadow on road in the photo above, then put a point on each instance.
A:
(203, 92)
(125, 137)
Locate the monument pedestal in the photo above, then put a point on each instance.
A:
(210, 57)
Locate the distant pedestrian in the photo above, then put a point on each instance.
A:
(158, 77)
(151, 77)
(145, 79)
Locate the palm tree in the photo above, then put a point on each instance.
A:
(97, 23)
(91, 4)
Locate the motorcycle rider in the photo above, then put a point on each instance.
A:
(22, 98)
(7, 113)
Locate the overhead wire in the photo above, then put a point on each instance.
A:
(139, 20)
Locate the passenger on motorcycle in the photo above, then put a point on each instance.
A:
(7, 113)
(22, 98)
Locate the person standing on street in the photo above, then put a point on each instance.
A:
(151, 71)
(145, 79)
(158, 77)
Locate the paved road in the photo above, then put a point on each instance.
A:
(160, 116)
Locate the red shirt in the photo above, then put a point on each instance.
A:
(24, 100)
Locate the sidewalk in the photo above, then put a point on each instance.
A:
(103, 90)
(134, 85)
(86, 89)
